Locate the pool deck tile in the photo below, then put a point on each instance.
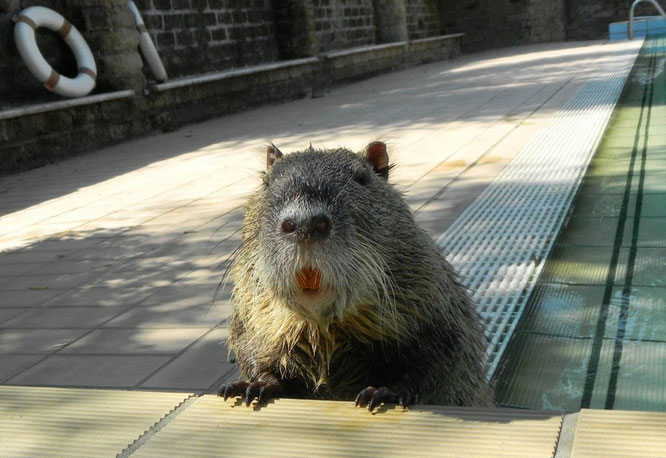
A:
(100, 371)
(200, 365)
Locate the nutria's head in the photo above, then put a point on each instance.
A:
(318, 229)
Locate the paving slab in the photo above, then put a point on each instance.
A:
(39, 340)
(15, 364)
(27, 298)
(135, 341)
(64, 281)
(99, 296)
(172, 315)
(8, 313)
(200, 366)
(148, 226)
(61, 317)
(103, 371)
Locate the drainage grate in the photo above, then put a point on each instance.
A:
(499, 243)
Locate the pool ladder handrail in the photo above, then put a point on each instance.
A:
(631, 14)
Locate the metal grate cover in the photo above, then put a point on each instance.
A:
(499, 243)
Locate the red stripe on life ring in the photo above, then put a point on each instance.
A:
(26, 20)
(65, 29)
(52, 81)
(88, 72)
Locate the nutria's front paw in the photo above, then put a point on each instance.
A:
(260, 390)
(373, 397)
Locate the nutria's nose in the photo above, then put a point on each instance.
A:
(288, 226)
(320, 226)
(317, 227)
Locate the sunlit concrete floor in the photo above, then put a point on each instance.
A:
(110, 261)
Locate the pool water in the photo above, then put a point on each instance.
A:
(593, 334)
(643, 26)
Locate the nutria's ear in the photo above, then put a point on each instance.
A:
(272, 155)
(375, 153)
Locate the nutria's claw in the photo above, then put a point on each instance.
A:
(260, 390)
(364, 396)
(407, 398)
(231, 390)
(374, 397)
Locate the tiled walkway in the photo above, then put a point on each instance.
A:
(111, 260)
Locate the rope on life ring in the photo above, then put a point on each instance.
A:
(147, 47)
(27, 21)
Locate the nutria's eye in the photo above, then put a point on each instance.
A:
(362, 178)
(265, 180)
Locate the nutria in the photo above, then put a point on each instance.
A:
(338, 291)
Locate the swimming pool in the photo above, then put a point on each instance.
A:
(593, 333)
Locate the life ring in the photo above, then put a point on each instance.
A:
(27, 22)
(147, 47)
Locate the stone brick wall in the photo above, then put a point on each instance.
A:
(171, 109)
(198, 36)
(422, 19)
(433, 49)
(497, 23)
(589, 19)
(546, 20)
(54, 131)
(344, 23)
(37, 139)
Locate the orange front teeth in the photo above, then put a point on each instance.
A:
(309, 279)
